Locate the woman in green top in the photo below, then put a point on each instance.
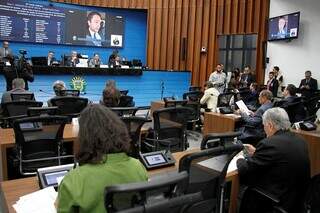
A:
(103, 161)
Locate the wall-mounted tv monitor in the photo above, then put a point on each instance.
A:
(284, 27)
(30, 21)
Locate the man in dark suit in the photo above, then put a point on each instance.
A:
(278, 166)
(246, 78)
(273, 84)
(5, 51)
(50, 58)
(308, 85)
(73, 60)
(94, 37)
(253, 127)
(14, 71)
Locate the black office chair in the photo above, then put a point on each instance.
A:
(134, 125)
(39, 142)
(16, 109)
(207, 171)
(70, 106)
(125, 111)
(126, 101)
(69, 92)
(169, 129)
(163, 194)
(22, 96)
(224, 100)
(212, 140)
(193, 96)
(124, 92)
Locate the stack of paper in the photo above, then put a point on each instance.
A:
(41, 201)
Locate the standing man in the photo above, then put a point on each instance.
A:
(5, 51)
(93, 36)
(246, 78)
(219, 79)
(278, 166)
(308, 85)
(273, 84)
(11, 72)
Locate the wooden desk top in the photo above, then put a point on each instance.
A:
(314, 133)
(13, 189)
(7, 138)
(229, 116)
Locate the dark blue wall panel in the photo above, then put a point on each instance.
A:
(134, 41)
(144, 88)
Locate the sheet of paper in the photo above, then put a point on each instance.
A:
(242, 106)
(41, 201)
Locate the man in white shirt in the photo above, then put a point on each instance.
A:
(218, 78)
(93, 37)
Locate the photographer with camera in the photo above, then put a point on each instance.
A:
(18, 69)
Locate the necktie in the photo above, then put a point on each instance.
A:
(5, 52)
(96, 41)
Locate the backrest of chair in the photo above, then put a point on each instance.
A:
(207, 169)
(22, 96)
(37, 111)
(212, 140)
(125, 196)
(195, 107)
(125, 111)
(134, 125)
(69, 92)
(224, 99)
(175, 103)
(193, 96)
(126, 101)
(16, 108)
(171, 117)
(69, 105)
(39, 137)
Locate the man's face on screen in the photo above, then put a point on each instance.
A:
(94, 23)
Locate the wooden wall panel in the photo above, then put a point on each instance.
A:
(199, 22)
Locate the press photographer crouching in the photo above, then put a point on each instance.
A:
(19, 68)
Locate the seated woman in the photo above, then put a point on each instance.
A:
(57, 86)
(103, 161)
(110, 95)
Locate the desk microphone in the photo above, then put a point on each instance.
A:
(48, 93)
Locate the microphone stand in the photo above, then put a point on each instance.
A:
(162, 89)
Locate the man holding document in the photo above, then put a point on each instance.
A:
(253, 128)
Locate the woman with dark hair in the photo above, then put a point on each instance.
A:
(103, 161)
(110, 95)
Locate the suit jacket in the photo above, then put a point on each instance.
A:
(280, 166)
(72, 64)
(210, 98)
(253, 123)
(2, 52)
(313, 84)
(6, 96)
(246, 80)
(50, 62)
(272, 86)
